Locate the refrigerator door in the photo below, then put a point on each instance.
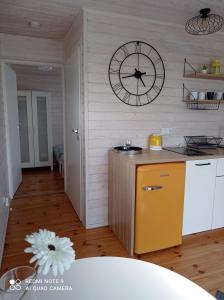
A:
(159, 206)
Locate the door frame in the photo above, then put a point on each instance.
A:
(6, 117)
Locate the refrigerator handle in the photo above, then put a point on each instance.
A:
(152, 188)
(205, 164)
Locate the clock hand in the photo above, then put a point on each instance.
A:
(133, 75)
(148, 74)
(138, 61)
(142, 81)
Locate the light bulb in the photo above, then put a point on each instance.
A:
(204, 24)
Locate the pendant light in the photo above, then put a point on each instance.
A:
(205, 23)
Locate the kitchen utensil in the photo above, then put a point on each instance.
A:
(202, 141)
(201, 96)
(210, 95)
(155, 142)
(193, 95)
(218, 96)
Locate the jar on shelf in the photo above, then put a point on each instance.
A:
(216, 66)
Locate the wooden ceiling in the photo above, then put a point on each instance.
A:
(56, 16)
(34, 70)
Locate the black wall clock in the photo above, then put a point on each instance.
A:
(136, 73)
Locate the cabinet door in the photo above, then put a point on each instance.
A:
(199, 195)
(218, 210)
(25, 128)
(42, 129)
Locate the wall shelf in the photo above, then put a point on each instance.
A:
(193, 73)
(188, 97)
(204, 76)
(199, 104)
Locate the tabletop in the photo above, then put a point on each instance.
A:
(115, 278)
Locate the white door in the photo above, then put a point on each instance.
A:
(73, 138)
(26, 128)
(199, 195)
(42, 132)
(12, 129)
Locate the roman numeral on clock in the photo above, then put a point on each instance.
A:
(126, 97)
(116, 61)
(149, 98)
(113, 71)
(138, 47)
(125, 50)
(156, 88)
(157, 61)
(138, 100)
(117, 88)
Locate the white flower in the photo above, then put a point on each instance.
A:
(50, 251)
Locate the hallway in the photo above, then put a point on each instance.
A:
(41, 203)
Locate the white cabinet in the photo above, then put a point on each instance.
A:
(35, 129)
(218, 208)
(199, 195)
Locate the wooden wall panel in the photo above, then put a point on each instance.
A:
(110, 122)
(31, 49)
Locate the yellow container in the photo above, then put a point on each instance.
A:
(216, 66)
(155, 142)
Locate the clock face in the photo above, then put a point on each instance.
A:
(136, 73)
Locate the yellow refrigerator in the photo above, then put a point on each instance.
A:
(159, 206)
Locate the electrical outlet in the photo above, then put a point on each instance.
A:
(166, 131)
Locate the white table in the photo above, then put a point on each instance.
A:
(114, 278)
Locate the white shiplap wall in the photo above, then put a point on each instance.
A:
(47, 83)
(110, 122)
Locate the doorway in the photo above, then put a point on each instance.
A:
(67, 134)
(34, 105)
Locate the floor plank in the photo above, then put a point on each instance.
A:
(41, 203)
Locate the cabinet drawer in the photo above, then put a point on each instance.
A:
(220, 167)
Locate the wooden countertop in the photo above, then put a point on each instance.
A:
(153, 157)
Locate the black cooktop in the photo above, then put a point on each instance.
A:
(186, 151)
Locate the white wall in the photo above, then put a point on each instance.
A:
(47, 83)
(110, 122)
(23, 49)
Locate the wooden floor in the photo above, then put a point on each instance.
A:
(41, 203)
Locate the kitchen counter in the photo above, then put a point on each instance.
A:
(153, 157)
(122, 191)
